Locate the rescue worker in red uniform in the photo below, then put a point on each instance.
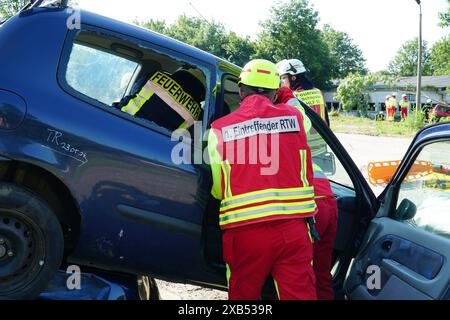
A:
(264, 208)
(293, 76)
(405, 105)
(388, 107)
(393, 107)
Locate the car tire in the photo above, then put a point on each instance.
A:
(31, 243)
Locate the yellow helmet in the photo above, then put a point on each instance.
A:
(260, 74)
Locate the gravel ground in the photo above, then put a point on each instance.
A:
(363, 149)
(176, 291)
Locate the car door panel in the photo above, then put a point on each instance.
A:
(347, 206)
(405, 253)
(409, 269)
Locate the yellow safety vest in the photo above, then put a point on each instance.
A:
(314, 99)
(404, 104)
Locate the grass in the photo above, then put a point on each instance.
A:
(366, 126)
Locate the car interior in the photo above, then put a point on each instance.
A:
(146, 62)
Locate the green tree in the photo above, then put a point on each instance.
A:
(154, 25)
(238, 50)
(8, 8)
(291, 32)
(352, 92)
(208, 36)
(345, 55)
(440, 57)
(404, 63)
(445, 17)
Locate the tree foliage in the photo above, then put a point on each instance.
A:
(291, 32)
(346, 57)
(445, 17)
(405, 62)
(208, 36)
(440, 57)
(8, 8)
(352, 92)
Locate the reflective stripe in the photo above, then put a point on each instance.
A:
(268, 210)
(309, 233)
(216, 167)
(183, 125)
(226, 169)
(148, 91)
(309, 189)
(276, 288)
(169, 100)
(136, 104)
(228, 275)
(272, 195)
(303, 168)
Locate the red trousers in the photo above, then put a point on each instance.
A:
(404, 113)
(282, 249)
(326, 225)
(390, 113)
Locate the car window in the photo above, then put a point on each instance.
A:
(427, 186)
(326, 160)
(231, 98)
(147, 85)
(98, 74)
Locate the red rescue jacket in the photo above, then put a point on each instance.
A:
(262, 167)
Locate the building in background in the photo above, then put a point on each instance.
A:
(436, 88)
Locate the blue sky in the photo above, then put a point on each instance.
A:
(378, 27)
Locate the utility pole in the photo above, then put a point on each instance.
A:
(419, 64)
(199, 13)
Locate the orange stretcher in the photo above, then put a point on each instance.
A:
(381, 173)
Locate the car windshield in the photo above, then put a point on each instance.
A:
(429, 189)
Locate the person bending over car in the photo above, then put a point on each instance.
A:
(170, 101)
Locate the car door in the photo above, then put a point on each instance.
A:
(141, 208)
(357, 204)
(406, 251)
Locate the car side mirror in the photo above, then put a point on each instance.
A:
(326, 162)
(406, 211)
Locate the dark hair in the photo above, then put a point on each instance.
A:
(302, 81)
(248, 91)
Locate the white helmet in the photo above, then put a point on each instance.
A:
(388, 97)
(404, 96)
(292, 67)
(394, 94)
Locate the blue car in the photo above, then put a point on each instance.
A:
(85, 183)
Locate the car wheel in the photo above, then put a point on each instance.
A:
(31, 243)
